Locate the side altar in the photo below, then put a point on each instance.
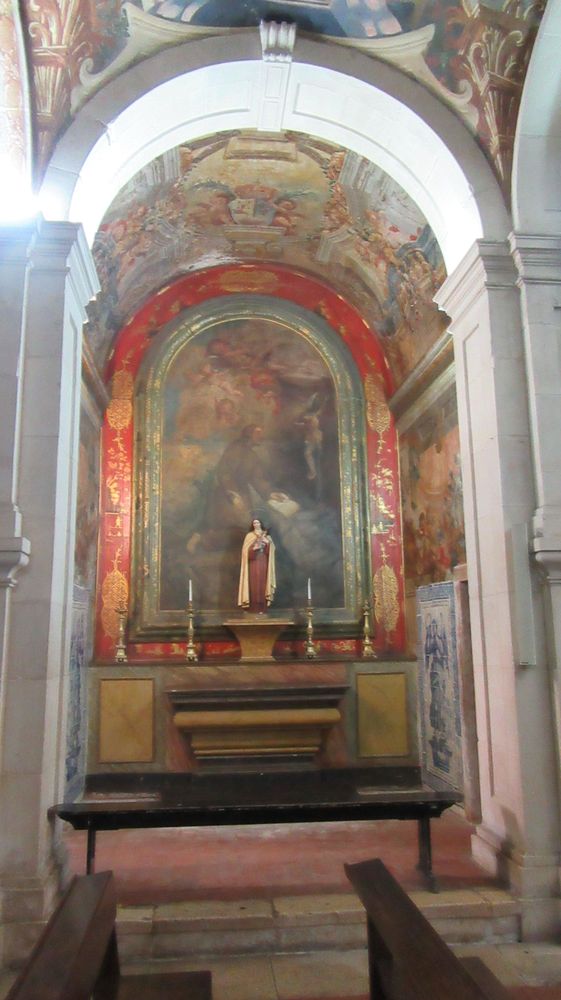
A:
(259, 466)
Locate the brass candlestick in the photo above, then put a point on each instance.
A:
(311, 651)
(191, 653)
(367, 647)
(121, 647)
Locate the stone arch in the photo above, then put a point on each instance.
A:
(536, 183)
(334, 93)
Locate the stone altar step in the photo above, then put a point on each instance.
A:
(289, 924)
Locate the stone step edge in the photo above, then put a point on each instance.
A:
(306, 911)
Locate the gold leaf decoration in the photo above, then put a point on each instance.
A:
(114, 594)
(344, 646)
(119, 411)
(377, 410)
(386, 605)
(248, 281)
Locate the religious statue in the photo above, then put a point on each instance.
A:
(257, 571)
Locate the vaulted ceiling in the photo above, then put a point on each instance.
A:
(474, 56)
(287, 198)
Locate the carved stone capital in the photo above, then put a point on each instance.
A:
(488, 267)
(549, 562)
(14, 555)
(277, 41)
(537, 258)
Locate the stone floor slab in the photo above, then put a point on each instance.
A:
(326, 974)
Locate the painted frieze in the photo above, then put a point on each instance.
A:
(473, 56)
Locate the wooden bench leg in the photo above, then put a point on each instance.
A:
(425, 853)
(90, 851)
(380, 965)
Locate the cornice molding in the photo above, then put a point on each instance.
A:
(442, 385)
(537, 258)
(61, 247)
(93, 379)
(14, 555)
(549, 562)
(15, 243)
(487, 266)
(438, 360)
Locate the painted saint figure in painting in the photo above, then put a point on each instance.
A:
(257, 571)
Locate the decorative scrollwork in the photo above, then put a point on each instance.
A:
(114, 597)
(377, 410)
(119, 411)
(386, 592)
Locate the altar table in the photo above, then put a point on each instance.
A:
(257, 798)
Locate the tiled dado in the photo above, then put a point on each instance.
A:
(300, 923)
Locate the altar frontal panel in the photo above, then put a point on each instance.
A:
(383, 727)
(126, 720)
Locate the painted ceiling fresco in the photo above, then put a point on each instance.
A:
(321, 209)
(473, 55)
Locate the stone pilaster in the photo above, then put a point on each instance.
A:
(519, 832)
(47, 277)
(538, 262)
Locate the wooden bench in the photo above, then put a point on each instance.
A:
(407, 959)
(76, 957)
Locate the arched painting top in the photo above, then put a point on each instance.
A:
(303, 290)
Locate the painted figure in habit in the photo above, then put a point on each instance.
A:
(257, 571)
(242, 476)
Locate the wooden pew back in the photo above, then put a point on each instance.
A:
(77, 949)
(76, 957)
(408, 960)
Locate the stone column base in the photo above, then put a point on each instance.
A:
(25, 905)
(535, 880)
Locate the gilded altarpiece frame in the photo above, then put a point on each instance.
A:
(115, 587)
(232, 370)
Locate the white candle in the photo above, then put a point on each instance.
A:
(190, 590)
(309, 589)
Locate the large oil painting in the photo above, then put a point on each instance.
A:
(244, 412)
